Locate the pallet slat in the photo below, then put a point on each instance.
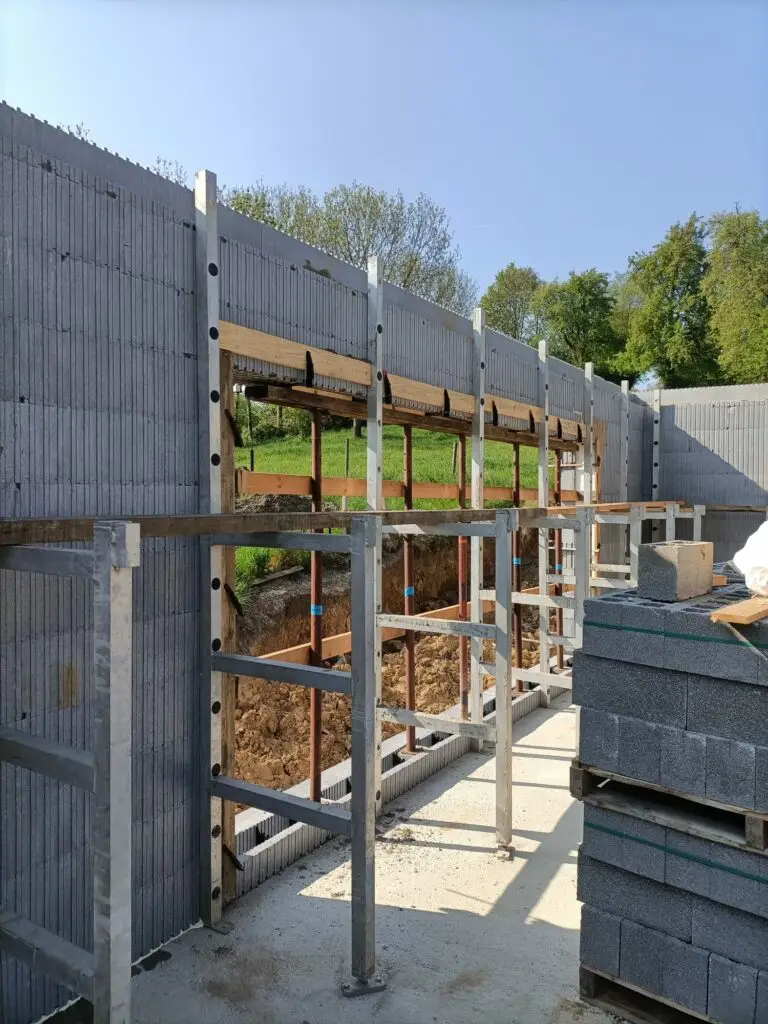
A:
(632, 1003)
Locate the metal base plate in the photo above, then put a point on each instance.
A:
(353, 988)
(221, 927)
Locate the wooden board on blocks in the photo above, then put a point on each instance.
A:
(742, 613)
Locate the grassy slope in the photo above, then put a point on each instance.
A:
(432, 454)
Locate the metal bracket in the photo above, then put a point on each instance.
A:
(239, 864)
(354, 988)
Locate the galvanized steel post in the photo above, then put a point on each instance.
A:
(212, 558)
(409, 603)
(543, 477)
(517, 562)
(375, 487)
(506, 522)
(656, 458)
(116, 552)
(478, 502)
(316, 618)
(462, 584)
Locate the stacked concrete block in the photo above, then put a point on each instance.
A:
(674, 711)
(674, 570)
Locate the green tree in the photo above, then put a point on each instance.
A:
(353, 222)
(670, 330)
(509, 305)
(736, 288)
(577, 318)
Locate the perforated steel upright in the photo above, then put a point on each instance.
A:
(543, 477)
(211, 556)
(478, 501)
(506, 523)
(375, 461)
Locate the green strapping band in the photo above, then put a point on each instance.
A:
(680, 853)
(676, 636)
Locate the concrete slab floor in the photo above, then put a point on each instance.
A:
(462, 935)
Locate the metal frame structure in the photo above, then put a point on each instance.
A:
(103, 977)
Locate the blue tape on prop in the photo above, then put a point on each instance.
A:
(558, 567)
(517, 561)
(315, 609)
(409, 591)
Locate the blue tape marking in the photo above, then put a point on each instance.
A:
(409, 591)
(315, 609)
(517, 561)
(558, 567)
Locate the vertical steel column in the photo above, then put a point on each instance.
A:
(409, 592)
(375, 446)
(478, 501)
(656, 459)
(543, 378)
(462, 584)
(517, 562)
(588, 461)
(624, 481)
(698, 512)
(558, 553)
(669, 522)
(506, 522)
(582, 560)
(346, 473)
(116, 550)
(316, 619)
(635, 540)
(365, 536)
(212, 558)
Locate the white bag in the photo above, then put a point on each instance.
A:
(752, 561)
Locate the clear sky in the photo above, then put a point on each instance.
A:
(558, 134)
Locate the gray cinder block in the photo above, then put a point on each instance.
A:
(632, 853)
(599, 739)
(685, 974)
(600, 939)
(683, 760)
(710, 647)
(731, 933)
(734, 711)
(674, 570)
(730, 772)
(683, 869)
(639, 750)
(641, 900)
(745, 885)
(637, 691)
(642, 957)
(732, 991)
(625, 629)
(761, 779)
(761, 1010)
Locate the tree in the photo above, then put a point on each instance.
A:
(353, 222)
(577, 317)
(172, 170)
(736, 288)
(509, 304)
(670, 330)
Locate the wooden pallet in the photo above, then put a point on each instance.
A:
(708, 819)
(632, 1003)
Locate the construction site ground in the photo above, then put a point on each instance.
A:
(462, 934)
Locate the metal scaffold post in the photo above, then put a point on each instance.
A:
(477, 499)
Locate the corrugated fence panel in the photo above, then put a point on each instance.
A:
(98, 412)
(608, 411)
(512, 371)
(638, 413)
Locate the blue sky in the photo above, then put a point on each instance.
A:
(558, 134)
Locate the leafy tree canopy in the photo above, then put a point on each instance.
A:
(509, 303)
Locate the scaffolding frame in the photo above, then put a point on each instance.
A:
(103, 976)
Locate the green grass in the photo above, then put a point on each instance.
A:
(432, 456)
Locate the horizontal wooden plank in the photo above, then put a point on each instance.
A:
(244, 341)
(247, 482)
(719, 581)
(742, 613)
(429, 394)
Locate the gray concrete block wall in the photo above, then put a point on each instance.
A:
(600, 940)
(732, 991)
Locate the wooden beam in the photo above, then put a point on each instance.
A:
(244, 341)
(429, 394)
(742, 613)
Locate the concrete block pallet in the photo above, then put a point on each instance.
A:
(672, 769)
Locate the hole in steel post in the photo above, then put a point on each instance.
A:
(213, 269)
(215, 893)
(215, 583)
(215, 396)
(379, 375)
(378, 794)
(215, 459)
(379, 328)
(482, 365)
(216, 769)
(216, 644)
(213, 333)
(216, 831)
(216, 707)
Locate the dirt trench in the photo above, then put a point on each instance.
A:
(272, 722)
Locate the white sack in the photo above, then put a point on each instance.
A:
(752, 561)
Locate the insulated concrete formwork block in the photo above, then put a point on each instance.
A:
(685, 978)
(730, 775)
(683, 760)
(639, 750)
(625, 842)
(733, 711)
(599, 739)
(731, 933)
(641, 900)
(642, 957)
(650, 694)
(600, 939)
(732, 991)
(674, 570)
